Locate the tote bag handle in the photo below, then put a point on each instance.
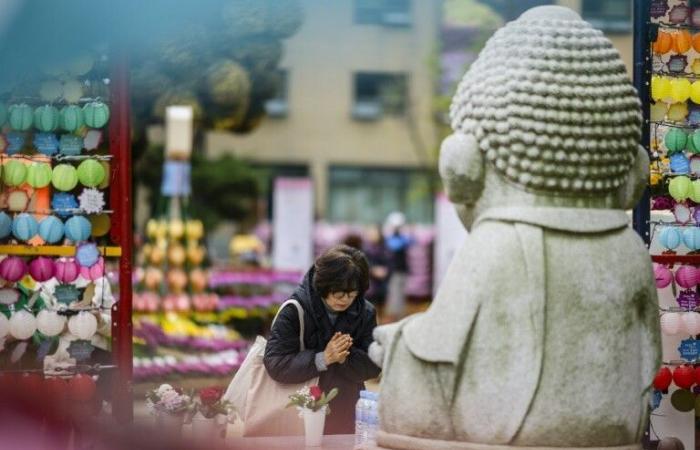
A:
(300, 312)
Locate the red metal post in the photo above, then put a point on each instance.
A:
(122, 235)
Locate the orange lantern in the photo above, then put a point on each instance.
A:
(696, 42)
(663, 42)
(195, 254)
(177, 280)
(198, 280)
(176, 255)
(682, 41)
(153, 277)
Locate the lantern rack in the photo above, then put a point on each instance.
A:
(55, 250)
(671, 259)
(58, 157)
(664, 73)
(78, 368)
(669, 124)
(672, 25)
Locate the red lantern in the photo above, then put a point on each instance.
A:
(56, 390)
(697, 375)
(81, 388)
(684, 376)
(663, 379)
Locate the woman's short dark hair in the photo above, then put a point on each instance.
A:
(341, 269)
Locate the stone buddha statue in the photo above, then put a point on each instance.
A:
(544, 331)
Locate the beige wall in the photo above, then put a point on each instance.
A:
(321, 60)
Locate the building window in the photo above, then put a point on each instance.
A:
(377, 94)
(361, 195)
(392, 13)
(278, 106)
(614, 16)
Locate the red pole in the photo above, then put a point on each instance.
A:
(122, 235)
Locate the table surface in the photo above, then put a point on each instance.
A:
(333, 441)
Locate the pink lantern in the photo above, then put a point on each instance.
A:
(137, 302)
(691, 323)
(151, 301)
(42, 268)
(201, 302)
(95, 271)
(13, 268)
(663, 276)
(67, 270)
(686, 277)
(671, 324)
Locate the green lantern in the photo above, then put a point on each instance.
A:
(14, 173)
(680, 188)
(3, 114)
(690, 144)
(64, 177)
(91, 173)
(21, 117)
(71, 118)
(39, 174)
(675, 140)
(46, 118)
(695, 137)
(96, 114)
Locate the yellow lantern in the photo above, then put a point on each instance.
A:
(157, 256)
(695, 66)
(177, 229)
(658, 111)
(195, 254)
(151, 228)
(678, 112)
(194, 229)
(660, 88)
(680, 89)
(695, 91)
(176, 255)
(162, 229)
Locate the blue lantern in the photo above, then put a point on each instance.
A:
(87, 254)
(670, 237)
(691, 238)
(5, 225)
(15, 142)
(51, 229)
(46, 143)
(679, 163)
(24, 227)
(63, 203)
(78, 228)
(71, 145)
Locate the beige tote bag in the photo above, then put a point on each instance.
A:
(261, 401)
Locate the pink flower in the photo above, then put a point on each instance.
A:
(315, 392)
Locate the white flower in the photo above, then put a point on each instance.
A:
(163, 389)
(91, 201)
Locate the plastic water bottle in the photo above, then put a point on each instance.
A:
(372, 417)
(360, 419)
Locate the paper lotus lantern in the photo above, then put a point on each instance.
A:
(660, 88)
(95, 271)
(70, 145)
(83, 325)
(177, 280)
(39, 174)
(675, 140)
(42, 269)
(176, 229)
(5, 225)
(684, 376)
(157, 255)
(101, 224)
(77, 229)
(46, 118)
(663, 379)
(71, 118)
(81, 388)
(679, 163)
(67, 270)
(22, 325)
(690, 322)
(4, 325)
(96, 114)
(87, 254)
(13, 268)
(679, 188)
(91, 173)
(50, 323)
(153, 277)
(670, 323)
(65, 177)
(51, 229)
(24, 227)
(14, 173)
(682, 41)
(176, 302)
(176, 255)
(680, 89)
(21, 117)
(658, 110)
(663, 43)
(662, 275)
(678, 112)
(150, 301)
(17, 200)
(681, 212)
(691, 238)
(9, 296)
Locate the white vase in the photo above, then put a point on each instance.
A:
(207, 430)
(314, 422)
(170, 423)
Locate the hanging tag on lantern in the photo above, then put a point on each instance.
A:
(689, 349)
(658, 8)
(687, 299)
(80, 350)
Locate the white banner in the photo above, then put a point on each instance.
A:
(293, 213)
(449, 236)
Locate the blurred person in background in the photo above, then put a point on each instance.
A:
(378, 258)
(397, 244)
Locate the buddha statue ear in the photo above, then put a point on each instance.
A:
(462, 168)
(632, 189)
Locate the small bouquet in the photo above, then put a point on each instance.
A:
(169, 400)
(312, 398)
(211, 404)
